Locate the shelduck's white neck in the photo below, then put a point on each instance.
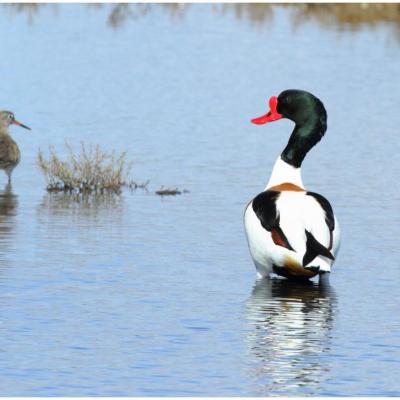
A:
(284, 173)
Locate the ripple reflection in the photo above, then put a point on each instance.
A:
(289, 336)
(76, 201)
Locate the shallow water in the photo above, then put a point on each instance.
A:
(141, 295)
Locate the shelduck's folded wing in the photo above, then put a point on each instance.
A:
(329, 217)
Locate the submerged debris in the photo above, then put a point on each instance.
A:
(92, 170)
(170, 192)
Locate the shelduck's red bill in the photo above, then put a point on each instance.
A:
(15, 122)
(272, 114)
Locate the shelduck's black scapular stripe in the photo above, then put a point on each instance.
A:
(264, 206)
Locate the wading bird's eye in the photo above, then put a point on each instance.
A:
(10, 116)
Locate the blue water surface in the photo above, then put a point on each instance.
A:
(141, 295)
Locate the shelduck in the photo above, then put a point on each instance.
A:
(9, 150)
(291, 231)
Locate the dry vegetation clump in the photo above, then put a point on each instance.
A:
(90, 170)
(327, 14)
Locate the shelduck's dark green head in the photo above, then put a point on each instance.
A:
(309, 115)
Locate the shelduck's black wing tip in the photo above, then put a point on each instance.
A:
(314, 249)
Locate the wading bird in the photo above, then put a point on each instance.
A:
(9, 151)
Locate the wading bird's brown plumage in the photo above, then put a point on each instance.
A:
(9, 151)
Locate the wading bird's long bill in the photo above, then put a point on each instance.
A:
(15, 122)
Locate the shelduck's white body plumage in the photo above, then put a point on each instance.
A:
(290, 231)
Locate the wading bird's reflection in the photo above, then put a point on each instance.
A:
(8, 210)
(290, 326)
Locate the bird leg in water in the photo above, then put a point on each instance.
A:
(324, 278)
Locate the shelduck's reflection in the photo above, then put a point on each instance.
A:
(290, 331)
